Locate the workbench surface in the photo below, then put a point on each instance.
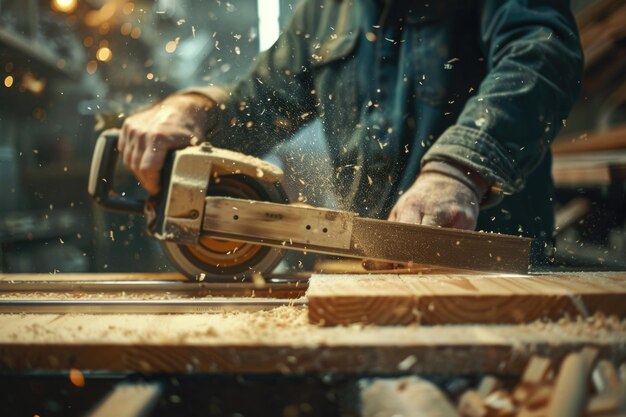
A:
(283, 341)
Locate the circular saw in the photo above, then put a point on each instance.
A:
(203, 171)
(216, 258)
(222, 215)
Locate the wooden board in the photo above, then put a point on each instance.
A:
(282, 341)
(609, 140)
(591, 169)
(457, 299)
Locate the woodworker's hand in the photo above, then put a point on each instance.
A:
(443, 195)
(148, 136)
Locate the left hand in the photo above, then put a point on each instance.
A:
(149, 135)
(436, 199)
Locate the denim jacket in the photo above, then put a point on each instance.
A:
(484, 84)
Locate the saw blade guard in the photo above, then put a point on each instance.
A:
(216, 259)
(188, 176)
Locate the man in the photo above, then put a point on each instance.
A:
(430, 110)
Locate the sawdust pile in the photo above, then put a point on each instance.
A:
(101, 296)
(597, 325)
(252, 327)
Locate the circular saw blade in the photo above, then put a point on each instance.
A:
(222, 260)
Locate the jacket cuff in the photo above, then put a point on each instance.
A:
(480, 152)
(218, 118)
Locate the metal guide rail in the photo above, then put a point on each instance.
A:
(148, 296)
(143, 306)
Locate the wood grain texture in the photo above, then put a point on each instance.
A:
(458, 299)
(282, 342)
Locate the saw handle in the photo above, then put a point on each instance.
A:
(101, 174)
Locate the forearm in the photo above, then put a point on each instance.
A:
(534, 69)
(273, 100)
(212, 102)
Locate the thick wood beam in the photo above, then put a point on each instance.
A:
(463, 299)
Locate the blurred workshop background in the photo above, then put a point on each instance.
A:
(71, 68)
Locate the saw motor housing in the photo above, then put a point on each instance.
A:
(175, 215)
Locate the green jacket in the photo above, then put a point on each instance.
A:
(486, 84)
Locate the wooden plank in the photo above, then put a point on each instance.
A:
(569, 396)
(570, 213)
(597, 176)
(591, 169)
(458, 299)
(609, 140)
(282, 341)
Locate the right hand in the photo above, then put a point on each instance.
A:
(146, 137)
(439, 199)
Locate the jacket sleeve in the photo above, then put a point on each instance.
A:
(534, 66)
(274, 100)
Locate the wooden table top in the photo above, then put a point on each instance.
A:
(283, 341)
